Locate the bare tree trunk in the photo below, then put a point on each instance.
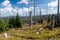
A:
(34, 12)
(30, 19)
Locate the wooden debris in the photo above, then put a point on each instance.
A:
(37, 33)
(5, 35)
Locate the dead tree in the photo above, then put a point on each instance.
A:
(48, 19)
(52, 22)
(34, 10)
(40, 20)
(58, 16)
(58, 8)
(30, 19)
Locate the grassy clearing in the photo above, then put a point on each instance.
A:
(30, 34)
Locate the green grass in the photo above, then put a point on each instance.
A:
(27, 34)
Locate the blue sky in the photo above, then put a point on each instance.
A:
(11, 7)
(14, 2)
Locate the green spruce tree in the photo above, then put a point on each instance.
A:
(3, 25)
(11, 22)
(18, 22)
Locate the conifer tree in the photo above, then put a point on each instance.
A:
(3, 25)
(11, 22)
(18, 22)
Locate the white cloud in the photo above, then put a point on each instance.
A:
(7, 7)
(53, 3)
(25, 10)
(9, 10)
(23, 1)
(53, 7)
(5, 3)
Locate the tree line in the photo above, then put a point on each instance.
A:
(12, 22)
